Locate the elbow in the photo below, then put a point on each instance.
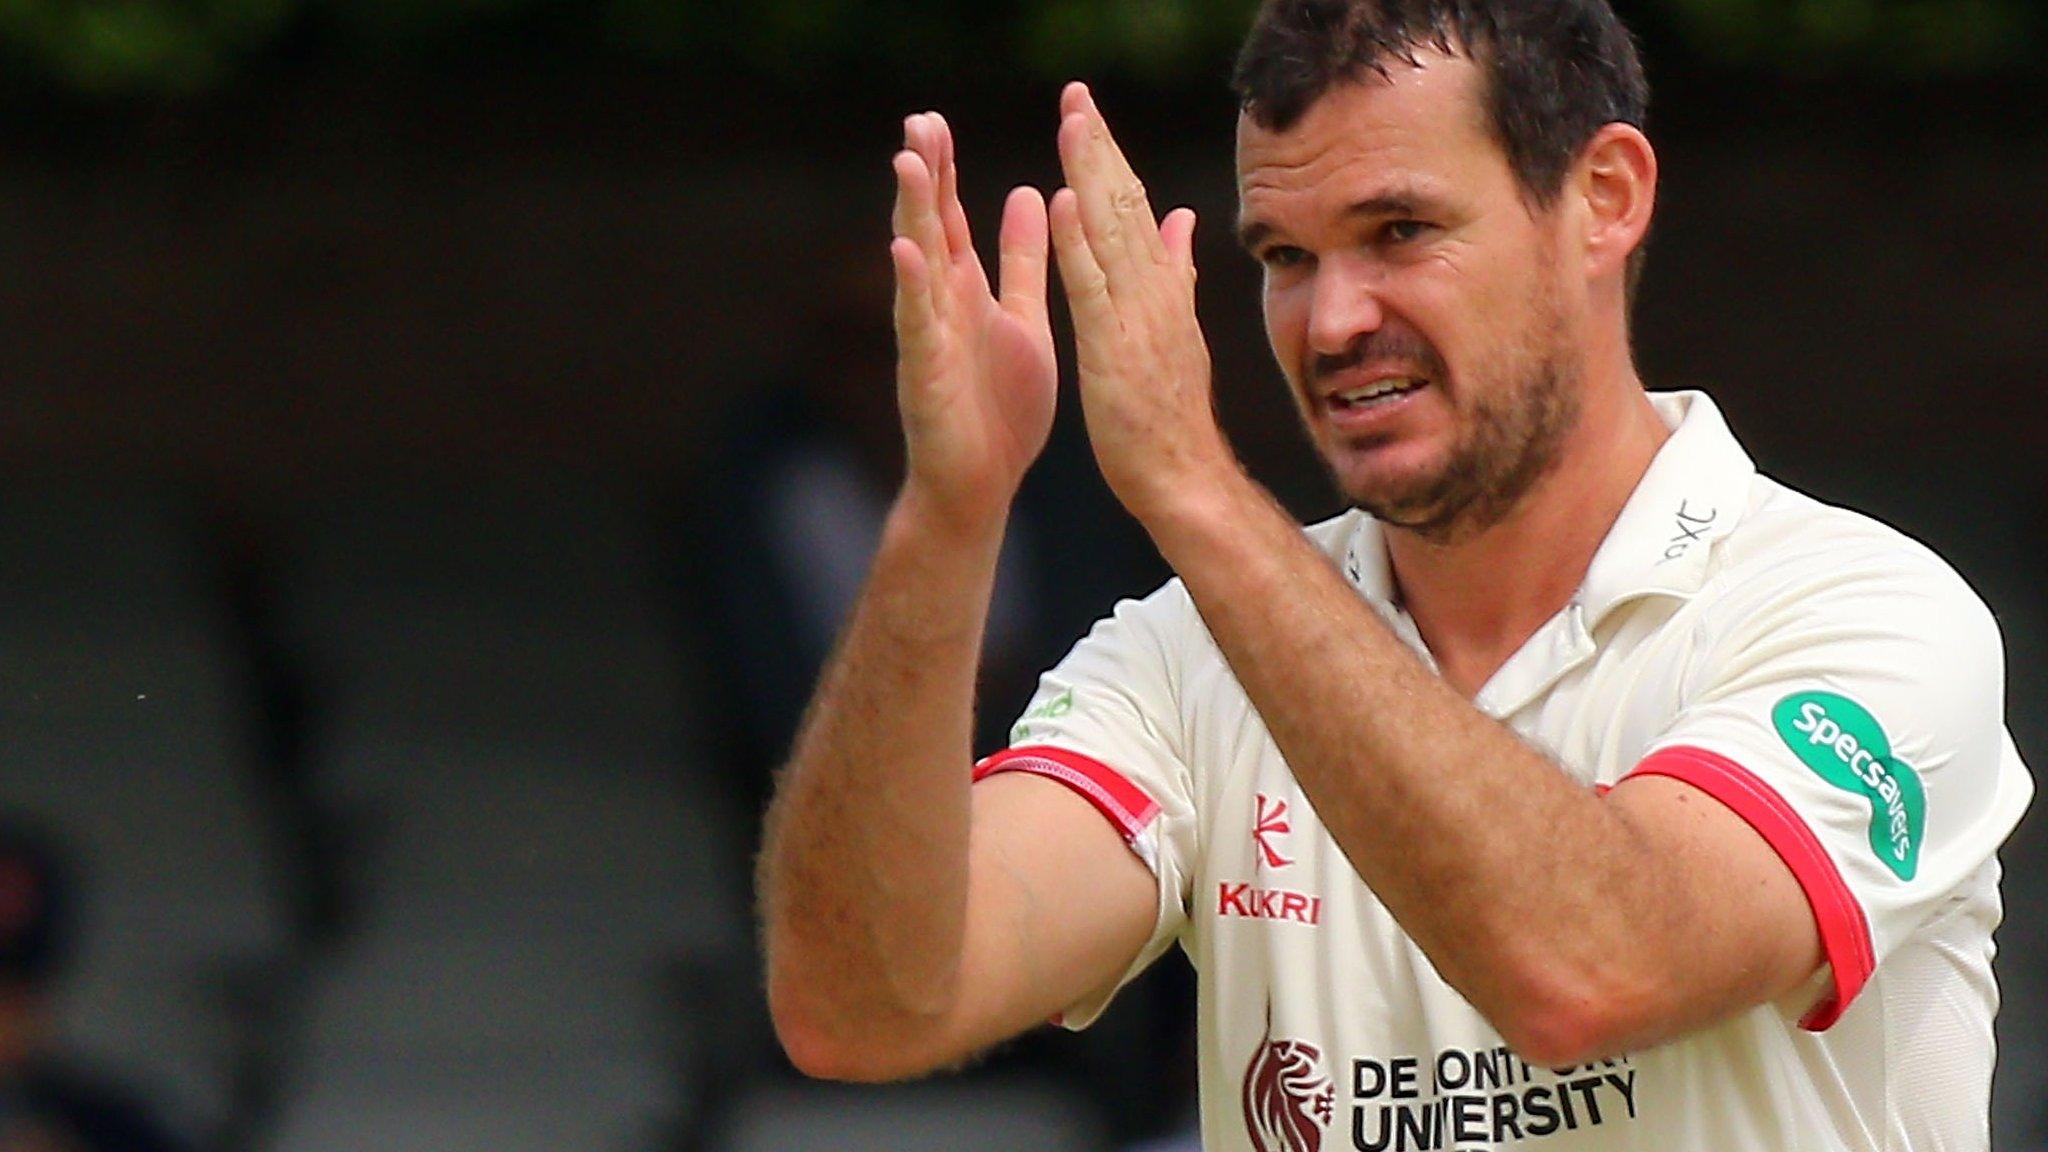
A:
(828, 1045)
(809, 1047)
(819, 1054)
(1555, 1039)
(1555, 1019)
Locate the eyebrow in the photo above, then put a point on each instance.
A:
(1252, 233)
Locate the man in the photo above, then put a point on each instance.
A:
(1582, 789)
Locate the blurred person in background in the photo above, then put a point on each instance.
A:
(1581, 788)
(47, 1105)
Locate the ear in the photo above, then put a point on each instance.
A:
(1616, 180)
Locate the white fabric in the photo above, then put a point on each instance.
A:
(1719, 598)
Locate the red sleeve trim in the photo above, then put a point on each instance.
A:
(1122, 802)
(1844, 931)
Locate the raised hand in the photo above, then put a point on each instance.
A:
(1130, 283)
(975, 378)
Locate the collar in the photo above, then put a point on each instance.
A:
(1692, 495)
(1366, 562)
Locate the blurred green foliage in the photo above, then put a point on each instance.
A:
(1896, 37)
(143, 46)
(116, 46)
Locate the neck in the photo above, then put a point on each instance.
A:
(1477, 600)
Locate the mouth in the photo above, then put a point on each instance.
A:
(1381, 392)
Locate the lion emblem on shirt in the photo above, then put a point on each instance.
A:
(1288, 1097)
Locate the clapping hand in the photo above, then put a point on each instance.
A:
(976, 377)
(1130, 283)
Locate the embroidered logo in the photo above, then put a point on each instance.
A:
(1288, 1097)
(1245, 902)
(1272, 821)
(1052, 709)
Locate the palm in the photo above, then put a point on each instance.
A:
(990, 391)
(976, 376)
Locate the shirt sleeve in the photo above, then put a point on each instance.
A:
(1105, 723)
(1852, 712)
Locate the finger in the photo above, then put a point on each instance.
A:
(917, 219)
(916, 316)
(927, 134)
(899, 209)
(1086, 287)
(1177, 234)
(1073, 98)
(1122, 177)
(1128, 192)
(1114, 208)
(1022, 271)
(959, 238)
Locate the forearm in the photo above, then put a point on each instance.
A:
(863, 878)
(1516, 880)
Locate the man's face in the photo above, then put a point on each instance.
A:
(1414, 299)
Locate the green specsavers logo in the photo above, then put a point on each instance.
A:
(1052, 709)
(1846, 746)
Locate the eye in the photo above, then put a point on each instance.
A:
(1282, 256)
(1402, 231)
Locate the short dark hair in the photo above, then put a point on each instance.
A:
(1555, 71)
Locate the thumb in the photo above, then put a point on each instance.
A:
(1177, 232)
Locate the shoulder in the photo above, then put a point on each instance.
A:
(1794, 553)
(1169, 610)
(1810, 598)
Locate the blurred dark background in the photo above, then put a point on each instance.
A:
(441, 436)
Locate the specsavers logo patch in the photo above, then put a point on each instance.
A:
(1846, 746)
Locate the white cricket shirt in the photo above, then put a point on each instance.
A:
(1830, 680)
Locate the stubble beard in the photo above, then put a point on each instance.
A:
(1512, 438)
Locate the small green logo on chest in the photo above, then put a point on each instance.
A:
(1052, 709)
(1846, 746)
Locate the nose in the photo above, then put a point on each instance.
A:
(1344, 305)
